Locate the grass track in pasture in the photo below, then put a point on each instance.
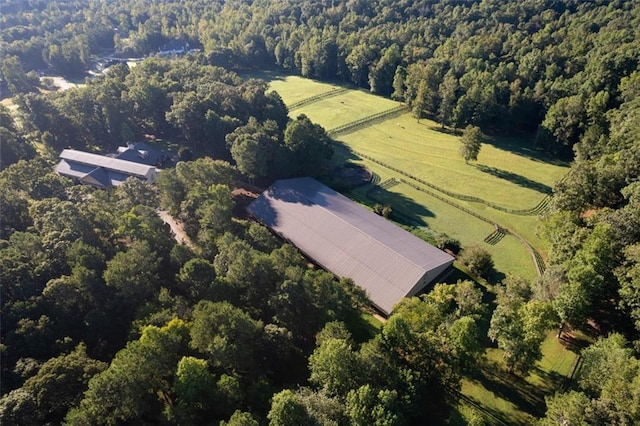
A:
(345, 108)
(509, 173)
(509, 255)
(499, 176)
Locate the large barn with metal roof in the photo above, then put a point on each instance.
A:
(348, 240)
(103, 171)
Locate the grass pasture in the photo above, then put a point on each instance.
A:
(420, 149)
(292, 88)
(347, 107)
(508, 173)
(418, 171)
(504, 398)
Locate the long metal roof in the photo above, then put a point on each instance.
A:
(349, 240)
(114, 164)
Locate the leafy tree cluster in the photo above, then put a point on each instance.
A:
(608, 388)
(193, 103)
(593, 226)
(408, 373)
(593, 274)
(519, 324)
(551, 67)
(208, 110)
(14, 145)
(107, 319)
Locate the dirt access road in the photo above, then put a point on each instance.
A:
(177, 229)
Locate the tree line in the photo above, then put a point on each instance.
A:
(94, 285)
(549, 67)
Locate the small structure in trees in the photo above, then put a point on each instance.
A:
(101, 171)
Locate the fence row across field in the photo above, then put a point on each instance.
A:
(538, 261)
(536, 210)
(367, 121)
(316, 98)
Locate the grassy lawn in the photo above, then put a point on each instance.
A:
(345, 108)
(505, 398)
(292, 88)
(499, 176)
(509, 255)
(508, 173)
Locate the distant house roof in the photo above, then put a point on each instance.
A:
(142, 153)
(174, 47)
(100, 170)
(349, 240)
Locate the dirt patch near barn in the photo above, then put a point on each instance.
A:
(243, 197)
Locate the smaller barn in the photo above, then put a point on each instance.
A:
(100, 170)
(348, 240)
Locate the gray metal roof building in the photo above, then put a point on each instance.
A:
(349, 240)
(100, 170)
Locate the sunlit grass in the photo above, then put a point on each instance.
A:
(499, 176)
(504, 397)
(293, 88)
(345, 108)
(508, 173)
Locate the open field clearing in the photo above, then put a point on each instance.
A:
(509, 255)
(509, 185)
(292, 88)
(347, 107)
(419, 149)
(506, 398)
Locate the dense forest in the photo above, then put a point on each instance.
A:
(106, 319)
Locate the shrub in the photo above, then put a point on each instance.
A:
(478, 260)
(445, 242)
(383, 210)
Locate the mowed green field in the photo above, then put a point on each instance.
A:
(509, 255)
(508, 173)
(506, 398)
(345, 108)
(499, 176)
(293, 89)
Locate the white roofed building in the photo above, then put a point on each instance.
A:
(348, 240)
(100, 170)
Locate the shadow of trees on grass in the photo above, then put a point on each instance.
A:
(511, 387)
(404, 210)
(516, 179)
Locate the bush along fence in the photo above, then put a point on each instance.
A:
(367, 121)
(316, 98)
(538, 261)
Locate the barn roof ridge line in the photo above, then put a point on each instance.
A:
(360, 231)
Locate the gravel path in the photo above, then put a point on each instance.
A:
(177, 229)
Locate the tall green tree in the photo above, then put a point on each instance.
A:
(137, 385)
(309, 147)
(470, 143)
(519, 325)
